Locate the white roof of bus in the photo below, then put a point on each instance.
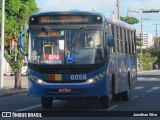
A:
(121, 23)
(110, 19)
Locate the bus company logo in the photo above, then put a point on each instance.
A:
(6, 114)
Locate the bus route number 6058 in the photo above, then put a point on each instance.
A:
(79, 77)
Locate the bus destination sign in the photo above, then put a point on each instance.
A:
(64, 19)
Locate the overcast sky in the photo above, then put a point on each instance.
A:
(108, 6)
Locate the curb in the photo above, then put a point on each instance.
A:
(11, 93)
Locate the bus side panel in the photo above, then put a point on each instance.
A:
(109, 72)
(123, 78)
(133, 73)
(115, 83)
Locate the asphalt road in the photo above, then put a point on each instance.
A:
(144, 99)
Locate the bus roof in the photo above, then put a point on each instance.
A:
(67, 12)
(73, 12)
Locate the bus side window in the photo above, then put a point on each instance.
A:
(126, 41)
(98, 55)
(106, 50)
(113, 33)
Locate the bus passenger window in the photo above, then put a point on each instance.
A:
(99, 53)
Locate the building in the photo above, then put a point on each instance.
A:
(147, 39)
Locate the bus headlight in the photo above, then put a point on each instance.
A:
(96, 78)
(90, 81)
(35, 79)
(40, 81)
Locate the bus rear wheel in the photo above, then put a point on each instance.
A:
(125, 96)
(105, 101)
(46, 102)
(116, 97)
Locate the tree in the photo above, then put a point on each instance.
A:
(16, 16)
(157, 42)
(139, 43)
(129, 20)
(146, 61)
(155, 53)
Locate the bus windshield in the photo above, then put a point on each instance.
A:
(81, 46)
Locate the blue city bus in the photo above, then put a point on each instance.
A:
(79, 54)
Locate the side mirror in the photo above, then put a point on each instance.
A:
(21, 42)
(110, 40)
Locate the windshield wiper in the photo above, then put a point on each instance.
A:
(77, 37)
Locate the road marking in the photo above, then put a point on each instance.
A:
(150, 91)
(112, 107)
(153, 89)
(32, 107)
(148, 79)
(138, 87)
(29, 108)
(134, 97)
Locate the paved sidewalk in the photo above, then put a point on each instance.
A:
(8, 86)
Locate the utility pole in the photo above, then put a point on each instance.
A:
(2, 45)
(157, 34)
(117, 9)
(156, 29)
(141, 37)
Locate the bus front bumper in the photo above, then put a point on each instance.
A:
(67, 90)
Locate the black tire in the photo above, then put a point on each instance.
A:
(46, 102)
(105, 101)
(116, 97)
(113, 84)
(125, 95)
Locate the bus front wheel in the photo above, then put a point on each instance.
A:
(105, 101)
(46, 102)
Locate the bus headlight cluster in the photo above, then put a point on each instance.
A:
(96, 78)
(35, 79)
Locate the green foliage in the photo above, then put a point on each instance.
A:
(16, 18)
(153, 51)
(146, 61)
(8, 57)
(129, 20)
(139, 42)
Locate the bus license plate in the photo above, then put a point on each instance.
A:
(64, 90)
